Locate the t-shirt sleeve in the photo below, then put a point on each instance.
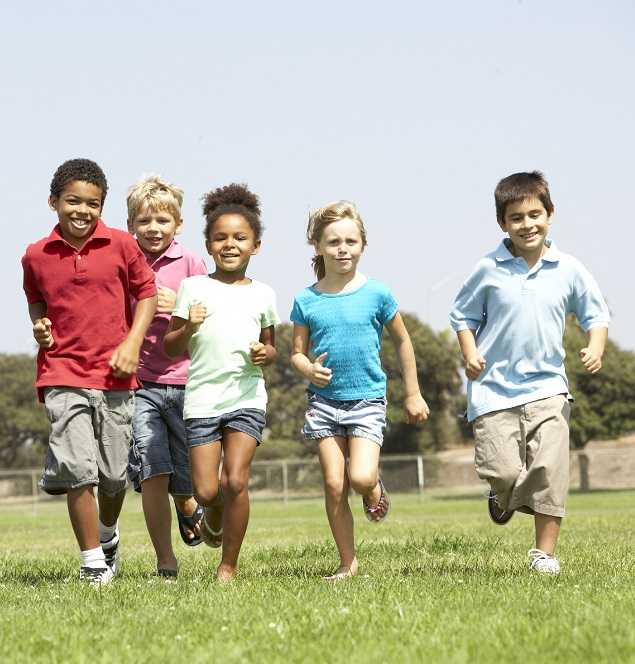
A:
(470, 306)
(141, 278)
(297, 313)
(587, 302)
(30, 285)
(269, 315)
(388, 307)
(183, 301)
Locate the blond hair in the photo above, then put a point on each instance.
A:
(321, 218)
(157, 194)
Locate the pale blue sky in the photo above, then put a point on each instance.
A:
(414, 110)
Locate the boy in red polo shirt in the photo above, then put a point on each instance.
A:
(78, 283)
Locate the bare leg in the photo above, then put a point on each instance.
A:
(238, 451)
(205, 461)
(547, 531)
(82, 510)
(363, 469)
(158, 515)
(110, 507)
(332, 453)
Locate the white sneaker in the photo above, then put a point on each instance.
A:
(96, 576)
(542, 562)
(111, 552)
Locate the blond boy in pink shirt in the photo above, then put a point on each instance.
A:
(159, 463)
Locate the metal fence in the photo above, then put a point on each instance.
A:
(600, 467)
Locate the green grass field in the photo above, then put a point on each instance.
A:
(438, 583)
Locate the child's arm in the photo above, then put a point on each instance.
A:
(125, 359)
(591, 355)
(263, 351)
(180, 330)
(315, 372)
(474, 361)
(414, 404)
(41, 325)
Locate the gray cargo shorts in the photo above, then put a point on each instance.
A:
(91, 432)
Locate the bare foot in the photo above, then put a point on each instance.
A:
(372, 499)
(344, 572)
(212, 530)
(225, 573)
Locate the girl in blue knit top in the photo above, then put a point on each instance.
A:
(340, 318)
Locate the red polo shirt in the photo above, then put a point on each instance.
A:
(87, 294)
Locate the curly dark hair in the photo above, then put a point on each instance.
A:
(84, 170)
(232, 199)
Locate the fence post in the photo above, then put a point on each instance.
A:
(420, 473)
(34, 485)
(285, 482)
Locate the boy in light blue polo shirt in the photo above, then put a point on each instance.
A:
(509, 317)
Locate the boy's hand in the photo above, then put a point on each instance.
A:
(592, 360)
(166, 299)
(258, 352)
(320, 375)
(198, 313)
(42, 332)
(474, 365)
(416, 409)
(125, 359)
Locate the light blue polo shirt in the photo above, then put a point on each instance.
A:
(519, 317)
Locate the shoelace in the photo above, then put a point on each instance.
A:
(536, 555)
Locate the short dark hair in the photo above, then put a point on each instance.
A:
(519, 187)
(83, 170)
(232, 199)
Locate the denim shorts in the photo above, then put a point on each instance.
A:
(89, 440)
(202, 430)
(158, 430)
(361, 418)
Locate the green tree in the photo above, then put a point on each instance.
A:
(23, 423)
(438, 365)
(604, 404)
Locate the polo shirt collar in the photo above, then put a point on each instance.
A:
(502, 253)
(175, 250)
(101, 232)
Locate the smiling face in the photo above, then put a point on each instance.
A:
(341, 246)
(231, 243)
(78, 208)
(155, 229)
(527, 223)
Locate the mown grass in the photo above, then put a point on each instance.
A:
(438, 583)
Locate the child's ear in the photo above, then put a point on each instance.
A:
(130, 227)
(53, 203)
(256, 248)
(179, 226)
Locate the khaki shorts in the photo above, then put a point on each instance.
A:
(523, 453)
(91, 432)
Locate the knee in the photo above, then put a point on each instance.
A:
(206, 495)
(234, 484)
(363, 481)
(335, 486)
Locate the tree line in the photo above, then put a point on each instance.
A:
(604, 404)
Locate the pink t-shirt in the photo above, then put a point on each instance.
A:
(170, 268)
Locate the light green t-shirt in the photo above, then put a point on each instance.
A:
(221, 377)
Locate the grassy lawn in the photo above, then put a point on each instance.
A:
(438, 582)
